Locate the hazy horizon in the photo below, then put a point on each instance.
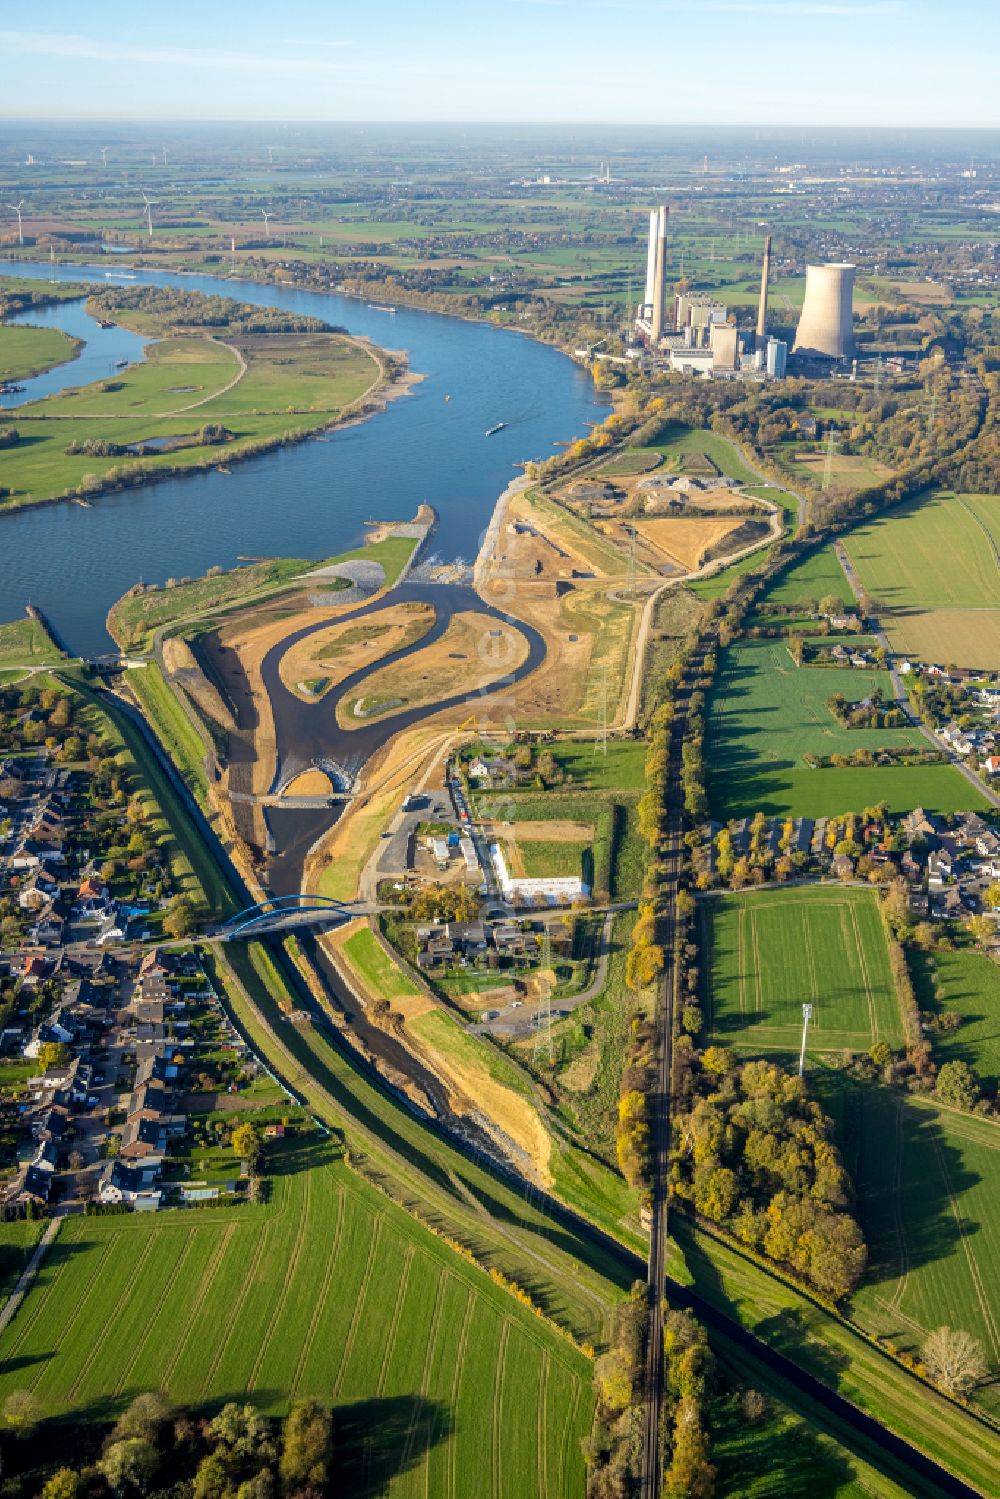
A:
(796, 63)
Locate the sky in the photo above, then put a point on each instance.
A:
(778, 62)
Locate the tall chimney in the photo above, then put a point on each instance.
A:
(651, 261)
(659, 288)
(765, 271)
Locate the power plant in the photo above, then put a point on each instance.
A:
(826, 324)
(697, 335)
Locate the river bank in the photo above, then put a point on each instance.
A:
(309, 498)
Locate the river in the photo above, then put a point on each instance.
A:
(309, 500)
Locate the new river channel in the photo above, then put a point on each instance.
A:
(307, 500)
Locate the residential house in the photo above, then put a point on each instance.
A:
(39, 890)
(469, 937)
(132, 1184)
(939, 869)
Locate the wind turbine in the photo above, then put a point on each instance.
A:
(149, 214)
(17, 209)
(266, 217)
(104, 156)
(164, 149)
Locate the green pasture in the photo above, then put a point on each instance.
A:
(726, 457)
(17, 1244)
(926, 1181)
(172, 726)
(965, 982)
(935, 552)
(771, 951)
(818, 576)
(292, 384)
(551, 860)
(136, 617)
(375, 967)
(766, 713)
(618, 766)
(26, 351)
(26, 642)
(840, 1356)
(715, 585)
(437, 1376)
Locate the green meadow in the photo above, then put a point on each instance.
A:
(766, 713)
(439, 1379)
(771, 951)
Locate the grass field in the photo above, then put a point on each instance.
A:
(680, 440)
(932, 567)
(277, 385)
(968, 983)
(26, 642)
(774, 950)
(378, 972)
(618, 767)
(451, 1387)
(838, 1355)
(765, 714)
(926, 1195)
(17, 1244)
(846, 469)
(818, 575)
(26, 351)
(172, 725)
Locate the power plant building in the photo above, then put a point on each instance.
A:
(777, 358)
(725, 346)
(826, 324)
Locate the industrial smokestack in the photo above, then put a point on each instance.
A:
(659, 280)
(825, 326)
(651, 260)
(765, 272)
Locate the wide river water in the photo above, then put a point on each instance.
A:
(308, 500)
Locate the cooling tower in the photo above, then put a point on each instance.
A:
(762, 309)
(651, 260)
(825, 326)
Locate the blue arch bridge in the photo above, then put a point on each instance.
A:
(285, 913)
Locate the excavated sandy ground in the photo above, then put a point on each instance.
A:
(474, 651)
(178, 658)
(339, 650)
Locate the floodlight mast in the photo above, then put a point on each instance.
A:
(806, 1017)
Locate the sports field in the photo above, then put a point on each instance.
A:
(926, 1195)
(773, 951)
(329, 1291)
(932, 565)
(765, 714)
